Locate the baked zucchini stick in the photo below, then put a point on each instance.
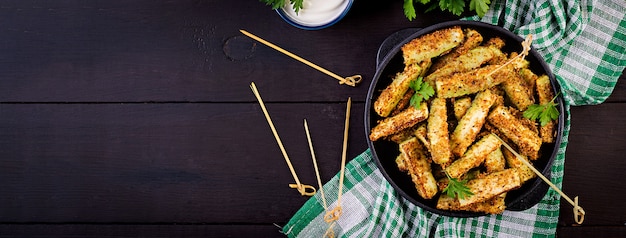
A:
(419, 168)
(406, 99)
(495, 205)
(498, 43)
(402, 135)
(530, 78)
(390, 96)
(472, 59)
(438, 132)
(470, 124)
(460, 106)
(406, 119)
(527, 141)
(525, 173)
(401, 164)
(422, 133)
(491, 185)
(469, 82)
(474, 156)
(545, 95)
(472, 39)
(431, 45)
(495, 161)
(495, 42)
(518, 91)
(404, 102)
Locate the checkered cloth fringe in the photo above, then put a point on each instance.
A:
(584, 43)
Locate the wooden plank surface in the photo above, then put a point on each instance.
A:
(204, 230)
(121, 51)
(151, 163)
(134, 118)
(593, 166)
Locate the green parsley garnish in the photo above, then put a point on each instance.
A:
(276, 4)
(479, 6)
(545, 112)
(423, 91)
(456, 7)
(409, 9)
(457, 188)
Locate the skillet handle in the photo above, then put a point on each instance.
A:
(391, 41)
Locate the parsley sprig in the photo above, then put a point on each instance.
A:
(275, 4)
(423, 91)
(545, 112)
(457, 188)
(456, 7)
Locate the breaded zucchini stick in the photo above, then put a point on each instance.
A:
(498, 43)
(472, 59)
(518, 91)
(527, 141)
(519, 63)
(422, 133)
(406, 119)
(438, 132)
(495, 205)
(495, 161)
(530, 77)
(431, 45)
(470, 124)
(469, 82)
(545, 95)
(406, 99)
(490, 186)
(525, 173)
(419, 168)
(401, 164)
(474, 156)
(472, 39)
(390, 96)
(495, 42)
(404, 102)
(461, 105)
(402, 135)
(500, 94)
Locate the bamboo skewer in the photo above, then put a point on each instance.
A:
(334, 214)
(345, 148)
(330, 233)
(317, 172)
(579, 213)
(305, 190)
(351, 81)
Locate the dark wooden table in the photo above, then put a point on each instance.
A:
(135, 118)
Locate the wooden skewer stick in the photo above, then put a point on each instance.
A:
(305, 190)
(334, 214)
(351, 81)
(345, 148)
(317, 171)
(579, 213)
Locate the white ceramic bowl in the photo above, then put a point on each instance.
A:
(315, 14)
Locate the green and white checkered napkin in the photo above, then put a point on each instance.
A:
(583, 42)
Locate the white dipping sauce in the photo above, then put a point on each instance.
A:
(316, 12)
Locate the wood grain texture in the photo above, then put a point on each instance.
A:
(120, 51)
(134, 118)
(594, 164)
(138, 230)
(204, 230)
(213, 163)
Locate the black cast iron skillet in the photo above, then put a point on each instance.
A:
(389, 62)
